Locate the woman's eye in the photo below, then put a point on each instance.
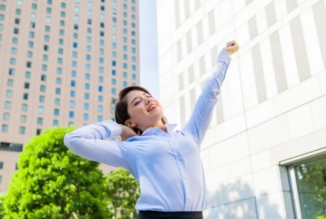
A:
(137, 103)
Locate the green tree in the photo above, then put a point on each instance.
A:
(123, 192)
(53, 183)
(311, 182)
(2, 210)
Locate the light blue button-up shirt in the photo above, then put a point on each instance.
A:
(167, 164)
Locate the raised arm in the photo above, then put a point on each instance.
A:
(202, 114)
(89, 142)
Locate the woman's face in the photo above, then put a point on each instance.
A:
(144, 110)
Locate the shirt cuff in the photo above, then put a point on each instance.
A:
(113, 128)
(224, 57)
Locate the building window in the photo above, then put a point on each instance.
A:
(101, 69)
(57, 91)
(71, 114)
(99, 108)
(23, 119)
(73, 83)
(63, 14)
(85, 116)
(11, 71)
(72, 103)
(57, 101)
(6, 116)
(43, 77)
(114, 72)
(100, 88)
(62, 23)
(60, 51)
(134, 76)
(124, 84)
(309, 180)
(34, 6)
(12, 61)
(14, 40)
(86, 96)
(16, 31)
(10, 82)
(87, 76)
(100, 98)
(17, 20)
(89, 4)
(46, 38)
(41, 99)
(33, 15)
(40, 121)
(24, 107)
(4, 128)
(76, 18)
(30, 54)
(46, 48)
(8, 93)
(25, 96)
(27, 75)
(7, 105)
(73, 73)
(21, 130)
(76, 26)
(87, 86)
(42, 88)
(26, 85)
(48, 10)
(45, 58)
(59, 70)
(100, 79)
(18, 11)
(89, 13)
(44, 67)
(99, 118)
(40, 110)
(55, 123)
(56, 112)
(63, 5)
(86, 106)
(1, 165)
(38, 131)
(125, 75)
(58, 80)
(32, 25)
(113, 91)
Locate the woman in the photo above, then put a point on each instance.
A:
(166, 163)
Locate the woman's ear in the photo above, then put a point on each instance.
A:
(130, 124)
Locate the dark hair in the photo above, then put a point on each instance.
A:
(121, 108)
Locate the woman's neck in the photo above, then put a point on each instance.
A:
(159, 125)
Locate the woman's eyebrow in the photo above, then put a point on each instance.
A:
(134, 99)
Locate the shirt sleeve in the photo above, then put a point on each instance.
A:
(89, 142)
(202, 114)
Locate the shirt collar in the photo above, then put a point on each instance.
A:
(150, 131)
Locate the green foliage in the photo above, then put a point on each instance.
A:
(53, 183)
(312, 188)
(321, 217)
(123, 192)
(2, 210)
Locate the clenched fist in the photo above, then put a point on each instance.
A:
(232, 47)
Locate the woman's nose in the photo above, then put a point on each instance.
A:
(148, 100)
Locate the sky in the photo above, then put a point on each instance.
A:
(148, 54)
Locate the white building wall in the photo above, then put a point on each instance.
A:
(272, 106)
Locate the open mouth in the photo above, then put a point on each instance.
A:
(151, 107)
